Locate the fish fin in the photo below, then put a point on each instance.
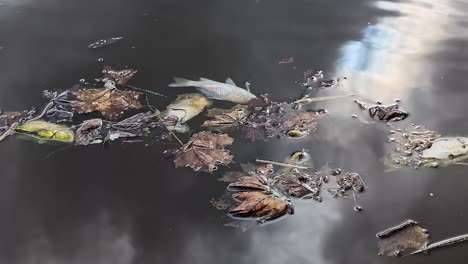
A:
(247, 86)
(205, 79)
(180, 82)
(209, 94)
(230, 81)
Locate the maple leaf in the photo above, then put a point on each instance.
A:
(264, 205)
(111, 103)
(204, 151)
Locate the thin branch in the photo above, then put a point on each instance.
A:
(282, 164)
(10, 131)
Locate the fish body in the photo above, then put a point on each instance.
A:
(227, 91)
(446, 148)
(186, 107)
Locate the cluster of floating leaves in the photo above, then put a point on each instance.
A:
(263, 118)
(265, 194)
(75, 103)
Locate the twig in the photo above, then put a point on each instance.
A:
(392, 230)
(323, 98)
(442, 243)
(55, 151)
(10, 131)
(141, 90)
(176, 137)
(44, 111)
(282, 164)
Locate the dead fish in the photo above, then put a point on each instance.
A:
(227, 91)
(446, 148)
(186, 107)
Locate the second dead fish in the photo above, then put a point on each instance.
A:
(227, 91)
(186, 107)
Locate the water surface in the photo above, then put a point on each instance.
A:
(122, 204)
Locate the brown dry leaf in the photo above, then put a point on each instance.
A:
(405, 240)
(255, 183)
(260, 205)
(204, 151)
(111, 103)
(119, 76)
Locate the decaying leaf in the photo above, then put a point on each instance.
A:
(227, 117)
(402, 239)
(119, 76)
(89, 132)
(264, 118)
(8, 118)
(111, 103)
(43, 130)
(263, 205)
(204, 152)
(387, 113)
(137, 124)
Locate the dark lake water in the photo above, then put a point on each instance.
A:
(122, 204)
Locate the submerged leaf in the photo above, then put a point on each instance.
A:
(43, 130)
(204, 152)
(111, 103)
(403, 238)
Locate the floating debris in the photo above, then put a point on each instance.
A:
(119, 76)
(273, 120)
(394, 229)
(307, 99)
(398, 240)
(387, 113)
(286, 60)
(110, 103)
(89, 132)
(263, 205)
(227, 91)
(204, 152)
(442, 243)
(43, 130)
(384, 113)
(294, 180)
(9, 121)
(186, 107)
(417, 146)
(103, 42)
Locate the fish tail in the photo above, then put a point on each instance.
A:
(180, 82)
